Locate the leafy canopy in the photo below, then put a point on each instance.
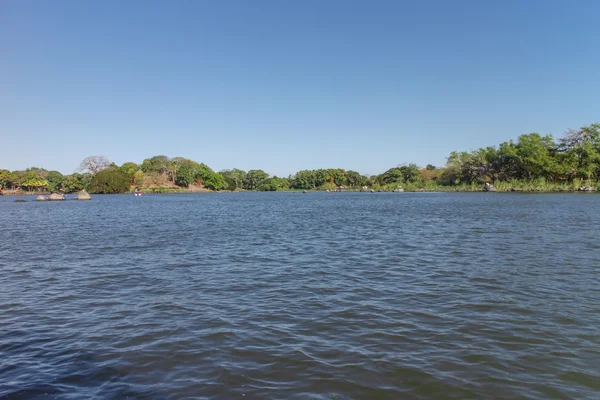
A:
(110, 181)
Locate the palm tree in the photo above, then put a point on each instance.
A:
(173, 168)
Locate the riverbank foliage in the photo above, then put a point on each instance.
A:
(533, 162)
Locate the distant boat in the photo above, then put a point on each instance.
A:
(138, 193)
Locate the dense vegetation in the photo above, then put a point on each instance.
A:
(533, 162)
(110, 180)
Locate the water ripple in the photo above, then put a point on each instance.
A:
(316, 296)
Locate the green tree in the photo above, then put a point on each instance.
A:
(34, 182)
(392, 175)
(159, 164)
(138, 178)
(410, 172)
(76, 182)
(317, 178)
(354, 179)
(5, 178)
(185, 176)
(173, 167)
(203, 172)
(129, 168)
(273, 184)
(55, 181)
(72, 183)
(464, 167)
(235, 178)
(39, 172)
(450, 175)
(338, 176)
(281, 183)
(110, 181)
(185, 161)
(305, 179)
(215, 181)
(401, 174)
(580, 151)
(505, 164)
(18, 178)
(534, 153)
(254, 179)
(368, 180)
(268, 186)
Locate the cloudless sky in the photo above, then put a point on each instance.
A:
(289, 85)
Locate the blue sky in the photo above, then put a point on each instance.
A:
(289, 85)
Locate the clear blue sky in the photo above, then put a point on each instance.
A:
(289, 85)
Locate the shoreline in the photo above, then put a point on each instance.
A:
(449, 190)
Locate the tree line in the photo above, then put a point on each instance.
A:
(572, 158)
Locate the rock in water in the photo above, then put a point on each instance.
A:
(20, 201)
(489, 188)
(83, 195)
(399, 189)
(55, 197)
(41, 198)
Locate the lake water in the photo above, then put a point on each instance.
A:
(289, 295)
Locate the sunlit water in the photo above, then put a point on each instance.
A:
(289, 295)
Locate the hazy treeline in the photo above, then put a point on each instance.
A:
(533, 159)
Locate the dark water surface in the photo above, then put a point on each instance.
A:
(284, 295)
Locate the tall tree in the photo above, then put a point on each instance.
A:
(173, 167)
(234, 177)
(5, 178)
(94, 164)
(255, 178)
(534, 153)
(581, 149)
